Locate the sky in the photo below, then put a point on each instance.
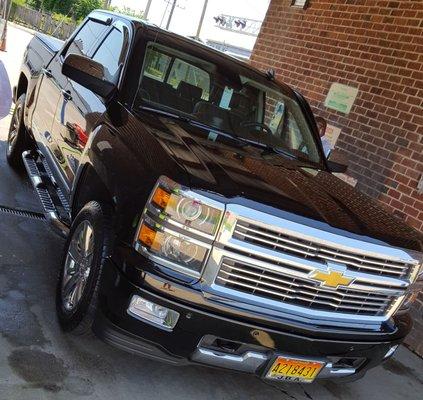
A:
(187, 16)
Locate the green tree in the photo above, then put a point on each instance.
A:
(78, 9)
(37, 4)
(83, 7)
(57, 6)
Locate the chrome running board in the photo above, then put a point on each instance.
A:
(55, 206)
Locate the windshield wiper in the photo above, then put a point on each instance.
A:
(307, 162)
(247, 142)
(166, 113)
(273, 150)
(195, 122)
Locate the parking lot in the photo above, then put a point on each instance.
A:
(38, 361)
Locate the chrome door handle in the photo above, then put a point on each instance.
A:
(48, 137)
(47, 72)
(67, 94)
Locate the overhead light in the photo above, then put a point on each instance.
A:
(300, 3)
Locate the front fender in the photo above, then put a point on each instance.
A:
(120, 165)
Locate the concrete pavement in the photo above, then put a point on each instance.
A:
(38, 361)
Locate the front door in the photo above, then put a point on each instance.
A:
(57, 90)
(78, 114)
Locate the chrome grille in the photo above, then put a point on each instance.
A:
(312, 250)
(274, 285)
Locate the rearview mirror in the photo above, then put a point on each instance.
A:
(88, 73)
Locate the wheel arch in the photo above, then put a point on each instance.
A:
(89, 187)
(22, 86)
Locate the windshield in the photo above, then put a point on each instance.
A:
(225, 101)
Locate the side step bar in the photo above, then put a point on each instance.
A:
(55, 206)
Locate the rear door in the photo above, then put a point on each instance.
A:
(81, 110)
(54, 89)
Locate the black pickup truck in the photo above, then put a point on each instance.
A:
(203, 222)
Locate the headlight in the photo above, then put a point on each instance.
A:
(175, 249)
(181, 206)
(415, 287)
(178, 227)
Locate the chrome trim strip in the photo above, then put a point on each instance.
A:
(344, 298)
(259, 289)
(221, 294)
(325, 238)
(250, 361)
(329, 371)
(274, 264)
(315, 249)
(291, 284)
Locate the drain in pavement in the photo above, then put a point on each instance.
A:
(21, 213)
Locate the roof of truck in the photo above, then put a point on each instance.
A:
(152, 26)
(189, 42)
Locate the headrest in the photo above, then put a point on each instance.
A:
(189, 91)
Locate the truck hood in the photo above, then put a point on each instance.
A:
(273, 183)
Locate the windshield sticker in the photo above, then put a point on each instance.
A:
(332, 133)
(277, 116)
(226, 98)
(212, 136)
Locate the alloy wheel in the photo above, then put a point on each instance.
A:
(14, 129)
(77, 266)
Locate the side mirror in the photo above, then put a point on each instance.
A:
(88, 73)
(337, 167)
(337, 162)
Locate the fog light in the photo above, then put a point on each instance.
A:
(391, 351)
(152, 313)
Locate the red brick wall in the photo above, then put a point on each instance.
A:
(376, 46)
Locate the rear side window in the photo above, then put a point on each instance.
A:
(156, 65)
(109, 54)
(87, 37)
(182, 71)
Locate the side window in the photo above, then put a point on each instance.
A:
(182, 71)
(156, 65)
(86, 38)
(109, 54)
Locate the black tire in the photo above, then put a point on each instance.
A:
(17, 139)
(79, 319)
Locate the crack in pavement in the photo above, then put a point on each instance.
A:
(280, 390)
(305, 392)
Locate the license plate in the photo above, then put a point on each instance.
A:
(294, 370)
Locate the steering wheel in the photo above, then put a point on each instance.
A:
(263, 127)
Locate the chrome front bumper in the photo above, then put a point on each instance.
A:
(252, 362)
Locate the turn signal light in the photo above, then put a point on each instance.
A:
(161, 197)
(147, 236)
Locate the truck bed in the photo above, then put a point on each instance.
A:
(52, 44)
(41, 50)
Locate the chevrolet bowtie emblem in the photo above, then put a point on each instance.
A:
(331, 278)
